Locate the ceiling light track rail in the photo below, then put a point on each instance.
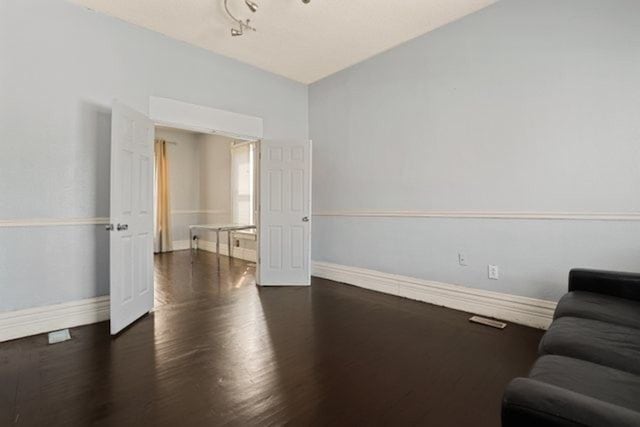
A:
(246, 23)
(242, 25)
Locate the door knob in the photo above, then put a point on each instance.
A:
(122, 227)
(109, 227)
(305, 219)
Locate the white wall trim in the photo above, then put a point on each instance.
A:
(572, 216)
(512, 308)
(279, 284)
(51, 222)
(38, 320)
(193, 212)
(245, 235)
(205, 245)
(182, 115)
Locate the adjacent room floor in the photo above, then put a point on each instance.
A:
(219, 350)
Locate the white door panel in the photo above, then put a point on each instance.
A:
(285, 213)
(131, 239)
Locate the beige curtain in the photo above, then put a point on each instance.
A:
(162, 236)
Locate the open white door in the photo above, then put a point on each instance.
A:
(131, 236)
(285, 213)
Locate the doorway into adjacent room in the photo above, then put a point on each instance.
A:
(204, 193)
(188, 177)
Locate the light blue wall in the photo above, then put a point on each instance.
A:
(524, 106)
(60, 67)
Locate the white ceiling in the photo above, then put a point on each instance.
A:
(298, 41)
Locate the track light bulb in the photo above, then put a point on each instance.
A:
(235, 32)
(251, 5)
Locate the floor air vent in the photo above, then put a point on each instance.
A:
(59, 336)
(488, 322)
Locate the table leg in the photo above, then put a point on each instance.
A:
(229, 243)
(217, 243)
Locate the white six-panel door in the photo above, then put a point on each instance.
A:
(131, 239)
(285, 213)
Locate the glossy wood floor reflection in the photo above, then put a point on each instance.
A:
(220, 351)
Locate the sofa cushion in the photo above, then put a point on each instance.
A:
(532, 403)
(590, 305)
(594, 341)
(589, 379)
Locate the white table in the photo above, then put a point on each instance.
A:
(229, 228)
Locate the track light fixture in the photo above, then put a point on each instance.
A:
(242, 25)
(251, 5)
(245, 24)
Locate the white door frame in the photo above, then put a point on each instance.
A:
(198, 118)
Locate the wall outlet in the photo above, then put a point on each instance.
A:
(494, 272)
(462, 259)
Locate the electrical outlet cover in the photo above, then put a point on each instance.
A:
(494, 272)
(462, 259)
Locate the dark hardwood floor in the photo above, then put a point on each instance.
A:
(218, 350)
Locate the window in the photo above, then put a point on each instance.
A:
(242, 183)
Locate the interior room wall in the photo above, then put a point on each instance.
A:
(61, 66)
(215, 175)
(214, 168)
(199, 183)
(525, 106)
(184, 179)
(215, 187)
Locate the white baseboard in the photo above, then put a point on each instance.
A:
(522, 310)
(512, 308)
(205, 245)
(38, 320)
(180, 245)
(283, 285)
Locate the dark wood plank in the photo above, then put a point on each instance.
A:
(219, 350)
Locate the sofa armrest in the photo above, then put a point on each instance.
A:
(614, 283)
(529, 403)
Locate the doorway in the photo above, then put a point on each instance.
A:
(204, 193)
(277, 199)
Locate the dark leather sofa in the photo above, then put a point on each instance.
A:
(588, 373)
